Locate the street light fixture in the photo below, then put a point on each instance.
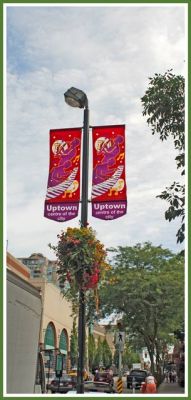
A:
(77, 98)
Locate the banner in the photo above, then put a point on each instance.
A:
(63, 189)
(108, 182)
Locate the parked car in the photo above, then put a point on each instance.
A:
(49, 376)
(98, 386)
(61, 385)
(74, 380)
(92, 387)
(73, 372)
(137, 376)
(104, 377)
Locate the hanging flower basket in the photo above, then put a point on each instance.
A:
(81, 259)
(91, 281)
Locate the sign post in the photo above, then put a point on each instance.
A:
(59, 367)
(133, 384)
(120, 341)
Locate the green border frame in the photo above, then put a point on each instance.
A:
(2, 2)
(1, 200)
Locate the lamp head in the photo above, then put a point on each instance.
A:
(76, 98)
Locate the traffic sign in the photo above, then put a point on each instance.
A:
(120, 338)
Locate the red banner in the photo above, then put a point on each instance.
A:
(108, 183)
(63, 189)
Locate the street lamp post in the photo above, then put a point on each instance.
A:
(49, 352)
(77, 98)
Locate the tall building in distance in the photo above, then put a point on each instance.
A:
(41, 267)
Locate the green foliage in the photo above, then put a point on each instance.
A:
(107, 354)
(147, 289)
(164, 104)
(91, 351)
(129, 357)
(175, 195)
(99, 353)
(116, 358)
(74, 345)
(80, 255)
(81, 265)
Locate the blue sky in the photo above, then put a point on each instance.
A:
(109, 52)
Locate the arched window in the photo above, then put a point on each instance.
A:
(49, 340)
(63, 345)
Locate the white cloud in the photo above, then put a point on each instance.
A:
(109, 52)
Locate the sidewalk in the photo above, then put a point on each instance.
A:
(168, 388)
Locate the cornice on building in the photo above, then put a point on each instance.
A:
(18, 267)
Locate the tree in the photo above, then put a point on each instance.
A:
(91, 351)
(116, 358)
(147, 289)
(99, 353)
(164, 104)
(74, 345)
(107, 354)
(129, 357)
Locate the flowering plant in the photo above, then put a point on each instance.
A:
(81, 258)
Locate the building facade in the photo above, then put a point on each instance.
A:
(57, 320)
(23, 321)
(41, 267)
(56, 324)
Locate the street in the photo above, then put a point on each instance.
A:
(125, 390)
(169, 388)
(164, 388)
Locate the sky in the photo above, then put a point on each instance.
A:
(109, 52)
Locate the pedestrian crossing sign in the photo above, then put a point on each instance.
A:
(120, 338)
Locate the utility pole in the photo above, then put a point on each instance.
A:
(77, 98)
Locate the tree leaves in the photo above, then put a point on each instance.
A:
(74, 345)
(164, 104)
(91, 350)
(147, 290)
(175, 195)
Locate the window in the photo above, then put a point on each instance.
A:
(63, 342)
(49, 339)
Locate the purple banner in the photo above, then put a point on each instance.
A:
(60, 211)
(109, 198)
(63, 188)
(109, 211)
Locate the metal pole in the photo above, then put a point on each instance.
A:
(120, 362)
(84, 220)
(133, 384)
(85, 165)
(120, 381)
(48, 370)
